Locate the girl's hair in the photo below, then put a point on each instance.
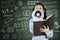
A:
(43, 9)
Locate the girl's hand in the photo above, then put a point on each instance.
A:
(45, 29)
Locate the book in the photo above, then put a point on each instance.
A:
(49, 21)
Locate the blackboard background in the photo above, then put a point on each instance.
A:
(15, 16)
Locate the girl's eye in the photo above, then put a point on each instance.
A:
(36, 8)
(40, 8)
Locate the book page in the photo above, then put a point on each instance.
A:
(48, 17)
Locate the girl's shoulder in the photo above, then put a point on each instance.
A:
(31, 20)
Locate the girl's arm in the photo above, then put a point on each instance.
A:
(49, 34)
(31, 25)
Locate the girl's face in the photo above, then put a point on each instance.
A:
(39, 7)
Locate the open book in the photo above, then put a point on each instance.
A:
(49, 21)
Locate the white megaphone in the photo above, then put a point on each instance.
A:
(38, 15)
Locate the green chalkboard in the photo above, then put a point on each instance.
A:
(15, 16)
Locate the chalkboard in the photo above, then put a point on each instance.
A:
(15, 16)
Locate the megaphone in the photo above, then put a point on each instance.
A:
(38, 15)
